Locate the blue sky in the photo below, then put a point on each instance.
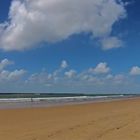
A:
(70, 46)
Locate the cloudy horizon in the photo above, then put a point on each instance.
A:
(73, 46)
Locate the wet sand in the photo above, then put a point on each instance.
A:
(115, 120)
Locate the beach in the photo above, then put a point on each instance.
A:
(113, 120)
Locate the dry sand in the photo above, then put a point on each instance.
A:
(117, 120)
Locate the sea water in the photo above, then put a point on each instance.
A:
(46, 100)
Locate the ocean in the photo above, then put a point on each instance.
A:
(16, 100)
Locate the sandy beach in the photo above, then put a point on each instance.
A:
(116, 120)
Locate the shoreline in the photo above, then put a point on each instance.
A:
(45, 104)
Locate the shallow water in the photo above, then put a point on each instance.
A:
(10, 103)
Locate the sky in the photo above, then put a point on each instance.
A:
(70, 46)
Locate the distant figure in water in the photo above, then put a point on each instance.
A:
(31, 99)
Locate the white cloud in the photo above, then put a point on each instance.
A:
(70, 73)
(41, 78)
(101, 68)
(67, 80)
(109, 76)
(16, 74)
(62, 67)
(63, 79)
(8, 76)
(64, 64)
(135, 70)
(119, 79)
(111, 42)
(4, 63)
(35, 21)
(11, 75)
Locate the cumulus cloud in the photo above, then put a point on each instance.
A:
(64, 64)
(41, 78)
(64, 76)
(111, 42)
(69, 80)
(4, 63)
(62, 79)
(135, 70)
(65, 79)
(101, 68)
(35, 21)
(60, 69)
(6, 75)
(11, 75)
(70, 73)
(119, 79)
